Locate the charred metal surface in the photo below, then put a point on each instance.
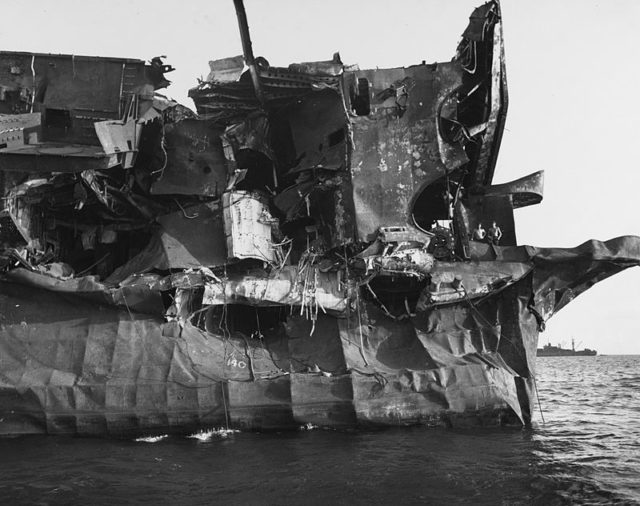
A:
(320, 244)
(194, 163)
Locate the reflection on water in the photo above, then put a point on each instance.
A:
(592, 409)
(588, 452)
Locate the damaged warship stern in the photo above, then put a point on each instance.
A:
(306, 249)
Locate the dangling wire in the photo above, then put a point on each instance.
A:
(535, 385)
(366, 364)
(224, 403)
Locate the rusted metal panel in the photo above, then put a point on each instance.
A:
(526, 191)
(483, 49)
(226, 70)
(332, 404)
(120, 139)
(397, 152)
(194, 163)
(16, 130)
(318, 127)
(71, 91)
(193, 237)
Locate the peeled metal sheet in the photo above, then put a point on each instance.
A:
(283, 287)
(247, 226)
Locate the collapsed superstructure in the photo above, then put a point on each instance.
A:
(303, 250)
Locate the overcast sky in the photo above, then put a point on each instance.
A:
(573, 76)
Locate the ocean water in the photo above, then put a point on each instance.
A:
(586, 452)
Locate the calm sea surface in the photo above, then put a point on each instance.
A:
(587, 452)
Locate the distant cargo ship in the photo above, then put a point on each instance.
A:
(548, 350)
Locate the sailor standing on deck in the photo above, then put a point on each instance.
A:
(495, 234)
(479, 233)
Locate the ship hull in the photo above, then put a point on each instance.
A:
(70, 366)
(566, 353)
(77, 357)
